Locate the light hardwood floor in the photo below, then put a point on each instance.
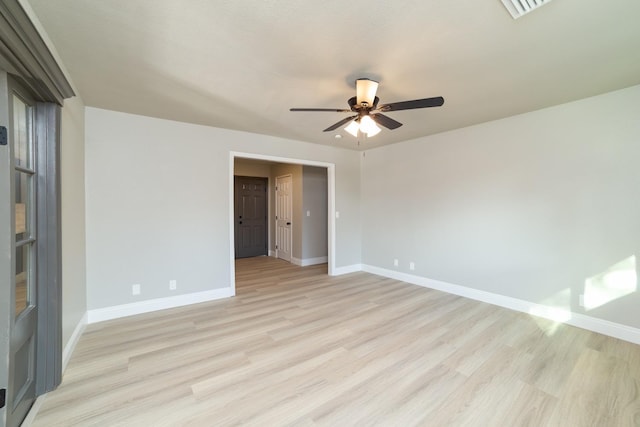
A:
(299, 348)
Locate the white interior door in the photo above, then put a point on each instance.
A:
(284, 214)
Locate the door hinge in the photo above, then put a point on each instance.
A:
(3, 397)
(276, 188)
(276, 246)
(3, 135)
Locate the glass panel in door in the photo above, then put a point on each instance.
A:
(24, 176)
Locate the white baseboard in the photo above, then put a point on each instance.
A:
(309, 261)
(272, 253)
(339, 271)
(315, 261)
(579, 320)
(66, 355)
(115, 312)
(31, 415)
(73, 340)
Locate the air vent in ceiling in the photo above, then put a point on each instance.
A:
(517, 8)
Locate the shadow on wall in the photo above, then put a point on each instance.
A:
(617, 281)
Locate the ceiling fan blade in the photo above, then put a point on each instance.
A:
(385, 121)
(334, 110)
(410, 105)
(340, 123)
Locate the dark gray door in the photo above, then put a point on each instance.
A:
(19, 171)
(30, 265)
(250, 216)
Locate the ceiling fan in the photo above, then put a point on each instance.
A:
(369, 113)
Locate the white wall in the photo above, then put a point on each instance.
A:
(157, 203)
(243, 167)
(314, 202)
(72, 171)
(527, 207)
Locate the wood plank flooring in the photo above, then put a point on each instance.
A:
(299, 348)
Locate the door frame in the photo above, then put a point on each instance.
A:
(331, 206)
(26, 54)
(47, 273)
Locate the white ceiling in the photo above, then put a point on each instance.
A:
(242, 64)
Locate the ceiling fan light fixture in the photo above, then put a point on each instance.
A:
(366, 91)
(368, 126)
(368, 114)
(353, 128)
(373, 132)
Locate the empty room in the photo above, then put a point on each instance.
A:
(339, 213)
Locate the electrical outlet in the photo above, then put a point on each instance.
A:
(337, 214)
(412, 266)
(173, 285)
(135, 289)
(308, 213)
(395, 262)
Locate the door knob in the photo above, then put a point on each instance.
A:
(288, 223)
(239, 222)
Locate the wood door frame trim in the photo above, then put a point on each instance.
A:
(25, 53)
(331, 206)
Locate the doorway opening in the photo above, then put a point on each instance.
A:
(280, 169)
